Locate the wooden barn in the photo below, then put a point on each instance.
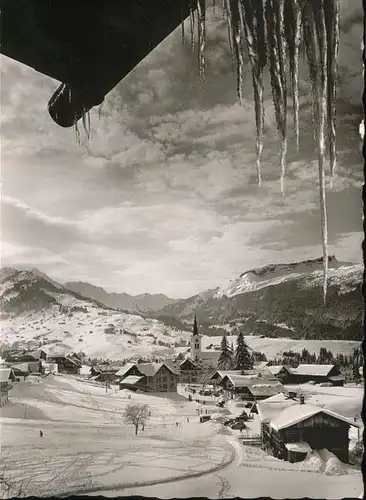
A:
(316, 373)
(291, 429)
(282, 372)
(153, 377)
(250, 388)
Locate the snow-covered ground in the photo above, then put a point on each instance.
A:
(88, 447)
(86, 443)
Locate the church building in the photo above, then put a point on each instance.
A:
(205, 350)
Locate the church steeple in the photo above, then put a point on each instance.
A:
(195, 327)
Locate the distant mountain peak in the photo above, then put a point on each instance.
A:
(307, 266)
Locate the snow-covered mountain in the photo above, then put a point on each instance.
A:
(39, 310)
(274, 274)
(132, 303)
(282, 300)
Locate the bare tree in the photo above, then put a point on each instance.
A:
(10, 487)
(136, 415)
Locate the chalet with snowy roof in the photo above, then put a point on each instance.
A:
(7, 377)
(22, 357)
(152, 377)
(39, 354)
(65, 363)
(317, 373)
(255, 374)
(104, 373)
(291, 428)
(189, 371)
(249, 387)
(282, 372)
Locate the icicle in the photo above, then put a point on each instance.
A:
(230, 31)
(237, 44)
(251, 17)
(100, 107)
(182, 28)
(293, 32)
(191, 21)
(331, 13)
(311, 53)
(321, 37)
(201, 10)
(76, 132)
(275, 64)
(281, 43)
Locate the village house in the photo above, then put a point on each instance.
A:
(24, 358)
(189, 371)
(316, 373)
(39, 355)
(152, 377)
(249, 388)
(6, 378)
(282, 372)
(290, 428)
(104, 373)
(65, 363)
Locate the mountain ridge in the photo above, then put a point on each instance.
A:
(142, 303)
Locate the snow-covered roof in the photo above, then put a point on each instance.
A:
(261, 364)
(122, 371)
(275, 369)
(273, 406)
(249, 380)
(316, 370)
(299, 447)
(5, 374)
(150, 369)
(299, 412)
(104, 368)
(22, 367)
(221, 373)
(266, 389)
(132, 380)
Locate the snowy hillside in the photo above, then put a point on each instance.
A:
(36, 309)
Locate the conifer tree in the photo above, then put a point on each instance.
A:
(243, 360)
(225, 358)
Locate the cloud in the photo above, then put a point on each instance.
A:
(164, 195)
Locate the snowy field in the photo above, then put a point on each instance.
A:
(273, 348)
(88, 448)
(85, 331)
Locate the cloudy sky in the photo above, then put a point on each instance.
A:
(164, 197)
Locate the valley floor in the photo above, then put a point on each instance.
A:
(88, 448)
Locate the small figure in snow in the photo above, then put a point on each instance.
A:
(187, 420)
(41, 434)
(176, 423)
(149, 413)
(143, 427)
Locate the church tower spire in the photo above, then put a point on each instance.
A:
(195, 327)
(195, 341)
